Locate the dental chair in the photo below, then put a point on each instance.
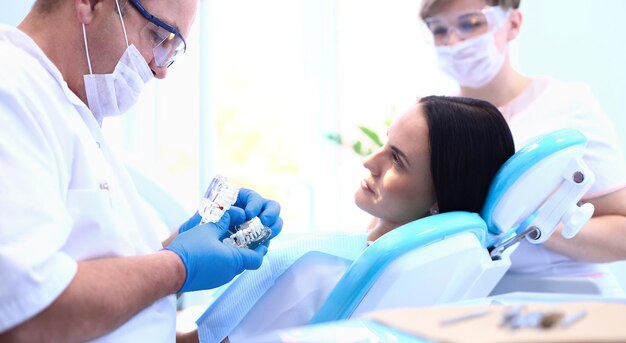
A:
(461, 255)
(458, 255)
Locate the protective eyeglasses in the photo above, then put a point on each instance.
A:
(465, 24)
(167, 43)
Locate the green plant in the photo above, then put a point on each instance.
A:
(371, 141)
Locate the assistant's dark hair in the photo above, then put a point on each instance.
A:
(469, 141)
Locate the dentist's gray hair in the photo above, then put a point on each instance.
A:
(48, 6)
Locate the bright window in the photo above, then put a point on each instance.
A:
(261, 85)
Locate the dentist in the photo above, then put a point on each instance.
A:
(79, 256)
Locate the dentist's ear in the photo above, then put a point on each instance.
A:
(84, 11)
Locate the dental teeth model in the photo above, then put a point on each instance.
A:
(218, 198)
(250, 234)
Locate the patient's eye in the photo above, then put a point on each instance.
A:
(396, 159)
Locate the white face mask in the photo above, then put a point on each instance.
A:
(472, 62)
(113, 94)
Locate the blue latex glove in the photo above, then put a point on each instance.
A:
(209, 262)
(254, 205)
(191, 223)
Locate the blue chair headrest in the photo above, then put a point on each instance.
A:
(519, 187)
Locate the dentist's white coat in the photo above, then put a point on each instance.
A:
(64, 197)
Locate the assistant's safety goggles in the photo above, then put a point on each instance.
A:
(167, 43)
(465, 24)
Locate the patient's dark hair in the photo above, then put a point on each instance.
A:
(469, 141)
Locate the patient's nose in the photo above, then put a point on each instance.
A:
(371, 163)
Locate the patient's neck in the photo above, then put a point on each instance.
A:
(379, 227)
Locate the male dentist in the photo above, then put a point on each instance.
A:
(79, 256)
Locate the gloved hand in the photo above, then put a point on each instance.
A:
(209, 262)
(191, 223)
(196, 218)
(256, 206)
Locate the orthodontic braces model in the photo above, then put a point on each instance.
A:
(218, 198)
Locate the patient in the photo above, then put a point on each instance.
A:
(441, 155)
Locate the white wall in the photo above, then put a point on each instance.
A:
(579, 40)
(14, 13)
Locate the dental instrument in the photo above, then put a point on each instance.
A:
(573, 318)
(465, 317)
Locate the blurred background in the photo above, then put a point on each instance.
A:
(263, 83)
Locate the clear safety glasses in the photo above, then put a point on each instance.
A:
(167, 43)
(465, 24)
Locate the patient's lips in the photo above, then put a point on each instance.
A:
(365, 186)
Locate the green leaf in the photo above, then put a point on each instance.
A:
(358, 147)
(334, 137)
(372, 135)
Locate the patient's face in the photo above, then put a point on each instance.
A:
(399, 188)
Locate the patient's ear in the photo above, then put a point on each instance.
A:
(434, 209)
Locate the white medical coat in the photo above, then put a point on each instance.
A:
(547, 105)
(64, 197)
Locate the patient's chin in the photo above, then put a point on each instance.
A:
(364, 201)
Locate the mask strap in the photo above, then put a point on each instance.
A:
(501, 16)
(87, 49)
(122, 20)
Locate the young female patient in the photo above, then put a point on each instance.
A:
(441, 155)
